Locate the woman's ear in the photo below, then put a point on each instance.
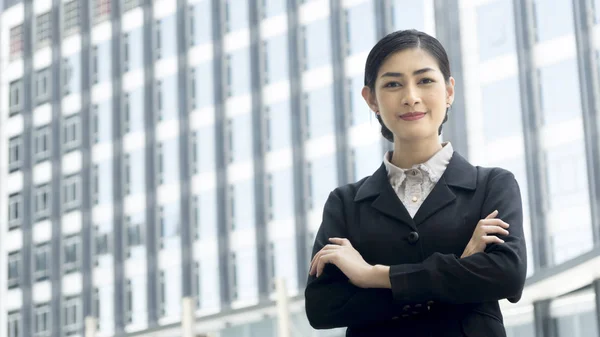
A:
(450, 91)
(370, 98)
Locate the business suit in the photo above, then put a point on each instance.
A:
(434, 292)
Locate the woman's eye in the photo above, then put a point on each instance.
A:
(392, 85)
(426, 80)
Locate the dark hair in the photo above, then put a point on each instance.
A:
(396, 42)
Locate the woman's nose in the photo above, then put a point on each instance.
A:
(411, 97)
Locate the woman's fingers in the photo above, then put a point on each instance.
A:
(487, 239)
(494, 230)
(341, 241)
(492, 215)
(494, 222)
(324, 259)
(313, 263)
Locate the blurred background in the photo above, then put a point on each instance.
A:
(164, 164)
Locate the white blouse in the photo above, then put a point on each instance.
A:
(413, 185)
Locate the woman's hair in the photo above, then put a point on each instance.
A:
(396, 42)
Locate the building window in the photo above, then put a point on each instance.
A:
(71, 133)
(134, 233)
(71, 192)
(101, 10)
(15, 211)
(14, 324)
(95, 75)
(42, 144)
(95, 184)
(272, 267)
(270, 196)
(158, 40)
(128, 302)
(232, 206)
(15, 99)
(96, 302)
(71, 18)
(42, 86)
(71, 73)
(72, 315)
(192, 89)
(234, 279)
(16, 42)
(197, 284)
(126, 52)
(102, 244)
(42, 262)
(130, 4)
(43, 30)
(196, 216)
(126, 113)
(162, 301)
(14, 269)
(15, 153)
(160, 172)
(72, 252)
(127, 174)
(41, 201)
(95, 124)
(41, 320)
(159, 100)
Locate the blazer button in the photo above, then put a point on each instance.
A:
(413, 237)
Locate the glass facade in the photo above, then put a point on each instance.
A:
(243, 178)
(317, 44)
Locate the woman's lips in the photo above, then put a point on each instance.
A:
(412, 116)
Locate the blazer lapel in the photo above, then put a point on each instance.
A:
(440, 196)
(459, 173)
(386, 200)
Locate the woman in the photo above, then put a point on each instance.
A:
(421, 247)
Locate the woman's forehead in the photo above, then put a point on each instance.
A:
(408, 61)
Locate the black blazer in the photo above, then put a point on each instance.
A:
(434, 292)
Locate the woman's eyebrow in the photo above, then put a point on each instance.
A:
(416, 72)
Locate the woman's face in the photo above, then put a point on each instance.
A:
(411, 95)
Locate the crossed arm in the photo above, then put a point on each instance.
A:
(349, 292)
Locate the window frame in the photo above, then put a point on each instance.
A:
(42, 134)
(43, 30)
(14, 265)
(43, 79)
(15, 98)
(42, 213)
(42, 314)
(15, 200)
(72, 242)
(71, 194)
(72, 315)
(71, 17)
(101, 11)
(13, 319)
(16, 42)
(15, 153)
(46, 250)
(71, 129)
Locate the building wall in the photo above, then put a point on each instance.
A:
(191, 146)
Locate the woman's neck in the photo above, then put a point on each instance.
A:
(406, 154)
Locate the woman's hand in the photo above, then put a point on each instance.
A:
(481, 236)
(346, 258)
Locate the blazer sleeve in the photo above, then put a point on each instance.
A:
(331, 300)
(495, 274)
